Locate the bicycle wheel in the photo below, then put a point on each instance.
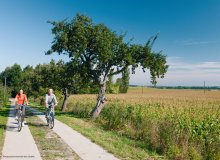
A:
(47, 119)
(51, 121)
(19, 122)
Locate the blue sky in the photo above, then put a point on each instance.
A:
(189, 33)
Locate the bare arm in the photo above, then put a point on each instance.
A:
(55, 99)
(26, 100)
(16, 99)
(46, 100)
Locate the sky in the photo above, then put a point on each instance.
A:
(189, 33)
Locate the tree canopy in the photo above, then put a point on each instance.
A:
(95, 50)
(97, 53)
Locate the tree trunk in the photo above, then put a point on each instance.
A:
(100, 101)
(65, 100)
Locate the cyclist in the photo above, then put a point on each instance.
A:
(20, 100)
(51, 101)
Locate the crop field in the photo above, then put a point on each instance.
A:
(180, 124)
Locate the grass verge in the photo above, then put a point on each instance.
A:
(50, 145)
(120, 146)
(4, 112)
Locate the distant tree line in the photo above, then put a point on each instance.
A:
(4, 95)
(35, 81)
(187, 87)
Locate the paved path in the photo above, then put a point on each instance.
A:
(19, 145)
(86, 149)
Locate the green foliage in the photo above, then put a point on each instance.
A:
(1, 95)
(193, 154)
(114, 89)
(13, 76)
(4, 112)
(123, 87)
(97, 52)
(4, 95)
(88, 88)
(35, 81)
(109, 84)
(27, 79)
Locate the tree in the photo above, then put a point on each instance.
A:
(109, 84)
(97, 53)
(54, 75)
(1, 95)
(4, 95)
(13, 75)
(123, 87)
(26, 79)
(65, 80)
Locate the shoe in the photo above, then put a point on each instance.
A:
(23, 124)
(16, 118)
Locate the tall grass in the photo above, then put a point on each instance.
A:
(4, 112)
(181, 124)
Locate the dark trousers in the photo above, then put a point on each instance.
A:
(17, 107)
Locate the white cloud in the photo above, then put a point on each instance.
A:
(181, 73)
(191, 42)
(179, 64)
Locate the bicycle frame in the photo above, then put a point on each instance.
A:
(50, 119)
(20, 117)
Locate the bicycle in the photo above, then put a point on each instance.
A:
(50, 117)
(20, 117)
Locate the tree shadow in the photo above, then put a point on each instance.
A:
(36, 124)
(73, 114)
(5, 111)
(34, 112)
(11, 128)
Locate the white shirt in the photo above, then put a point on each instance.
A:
(51, 99)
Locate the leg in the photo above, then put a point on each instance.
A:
(53, 111)
(23, 114)
(23, 110)
(16, 110)
(46, 112)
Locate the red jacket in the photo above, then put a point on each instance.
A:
(21, 99)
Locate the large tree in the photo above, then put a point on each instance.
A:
(96, 53)
(13, 76)
(123, 87)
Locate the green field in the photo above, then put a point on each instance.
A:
(179, 124)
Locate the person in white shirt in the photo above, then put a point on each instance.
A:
(50, 101)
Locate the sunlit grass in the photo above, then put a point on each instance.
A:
(4, 112)
(176, 123)
(179, 124)
(121, 146)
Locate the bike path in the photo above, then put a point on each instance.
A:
(18, 145)
(84, 147)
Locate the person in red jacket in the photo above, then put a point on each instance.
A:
(20, 100)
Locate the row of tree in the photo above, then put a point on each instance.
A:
(57, 75)
(96, 54)
(4, 95)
